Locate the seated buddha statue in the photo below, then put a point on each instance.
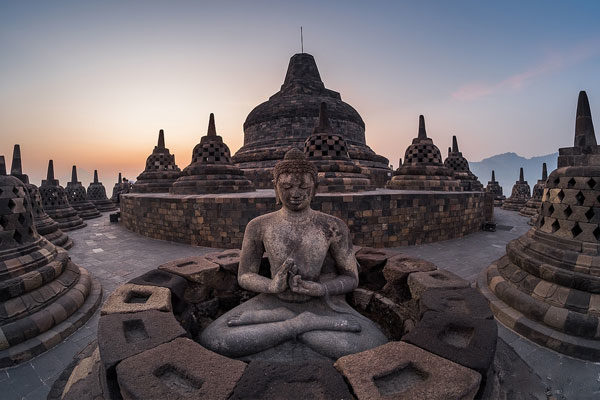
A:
(300, 309)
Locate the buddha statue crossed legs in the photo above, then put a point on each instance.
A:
(301, 308)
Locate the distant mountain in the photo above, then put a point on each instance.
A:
(507, 169)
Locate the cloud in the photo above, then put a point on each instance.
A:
(552, 63)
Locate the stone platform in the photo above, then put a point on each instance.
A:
(378, 218)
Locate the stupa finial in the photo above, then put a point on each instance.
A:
(119, 181)
(544, 172)
(161, 139)
(16, 168)
(212, 130)
(454, 144)
(422, 131)
(2, 166)
(50, 174)
(74, 174)
(521, 177)
(95, 176)
(493, 176)
(584, 127)
(324, 125)
(449, 150)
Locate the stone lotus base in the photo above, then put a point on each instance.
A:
(441, 344)
(379, 218)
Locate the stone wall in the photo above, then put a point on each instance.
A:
(381, 218)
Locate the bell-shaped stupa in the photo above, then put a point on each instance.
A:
(423, 168)
(77, 197)
(56, 203)
(116, 190)
(44, 296)
(96, 193)
(531, 208)
(160, 172)
(329, 152)
(547, 286)
(520, 195)
(211, 170)
(495, 189)
(457, 163)
(44, 225)
(288, 118)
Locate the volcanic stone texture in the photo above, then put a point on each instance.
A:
(379, 218)
(44, 297)
(547, 286)
(459, 164)
(287, 119)
(521, 193)
(130, 298)
(160, 172)
(530, 209)
(77, 197)
(399, 370)
(96, 193)
(181, 369)
(56, 204)
(423, 168)
(494, 188)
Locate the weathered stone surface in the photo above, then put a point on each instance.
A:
(419, 282)
(467, 301)
(194, 269)
(78, 198)
(160, 172)
(369, 257)
(156, 277)
(397, 268)
(123, 335)
(521, 193)
(494, 188)
(227, 259)
(96, 193)
(398, 370)
(291, 381)
(459, 164)
(468, 341)
(180, 369)
(130, 298)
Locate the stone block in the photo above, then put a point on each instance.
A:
(398, 370)
(157, 277)
(396, 272)
(130, 298)
(369, 258)
(467, 301)
(180, 369)
(124, 335)
(229, 260)
(459, 338)
(419, 282)
(275, 380)
(194, 269)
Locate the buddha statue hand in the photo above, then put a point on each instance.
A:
(309, 288)
(278, 283)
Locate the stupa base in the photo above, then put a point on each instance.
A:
(513, 205)
(67, 219)
(104, 205)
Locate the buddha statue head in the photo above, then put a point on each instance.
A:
(295, 181)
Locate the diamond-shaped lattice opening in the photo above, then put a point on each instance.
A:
(591, 183)
(551, 209)
(597, 233)
(15, 190)
(568, 211)
(555, 226)
(560, 195)
(576, 230)
(571, 182)
(11, 204)
(589, 214)
(17, 236)
(580, 198)
(21, 219)
(542, 220)
(556, 181)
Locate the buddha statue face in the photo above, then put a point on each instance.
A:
(295, 190)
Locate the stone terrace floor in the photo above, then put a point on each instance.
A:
(114, 255)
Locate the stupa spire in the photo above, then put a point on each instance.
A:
(2, 166)
(544, 172)
(324, 125)
(584, 127)
(74, 174)
(16, 168)
(521, 177)
(212, 130)
(120, 179)
(449, 150)
(95, 176)
(161, 139)
(50, 174)
(493, 176)
(454, 144)
(422, 132)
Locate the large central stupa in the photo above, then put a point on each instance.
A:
(288, 118)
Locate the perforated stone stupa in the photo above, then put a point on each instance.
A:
(329, 152)
(288, 118)
(547, 286)
(44, 297)
(530, 209)
(116, 190)
(96, 193)
(457, 163)
(44, 225)
(521, 193)
(211, 170)
(77, 197)
(495, 189)
(423, 168)
(161, 170)
(56, 204)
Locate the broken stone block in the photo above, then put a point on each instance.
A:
(396, 272)
(370, 265)
(124, 335)
(131, 298)
(156, 277)
(229, 260)
(419, 282)
(201, 271)
(180, 369)
(276, 380)
(398, 370)
(460, 338)
(467, 301)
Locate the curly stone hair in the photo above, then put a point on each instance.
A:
(294, 162)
